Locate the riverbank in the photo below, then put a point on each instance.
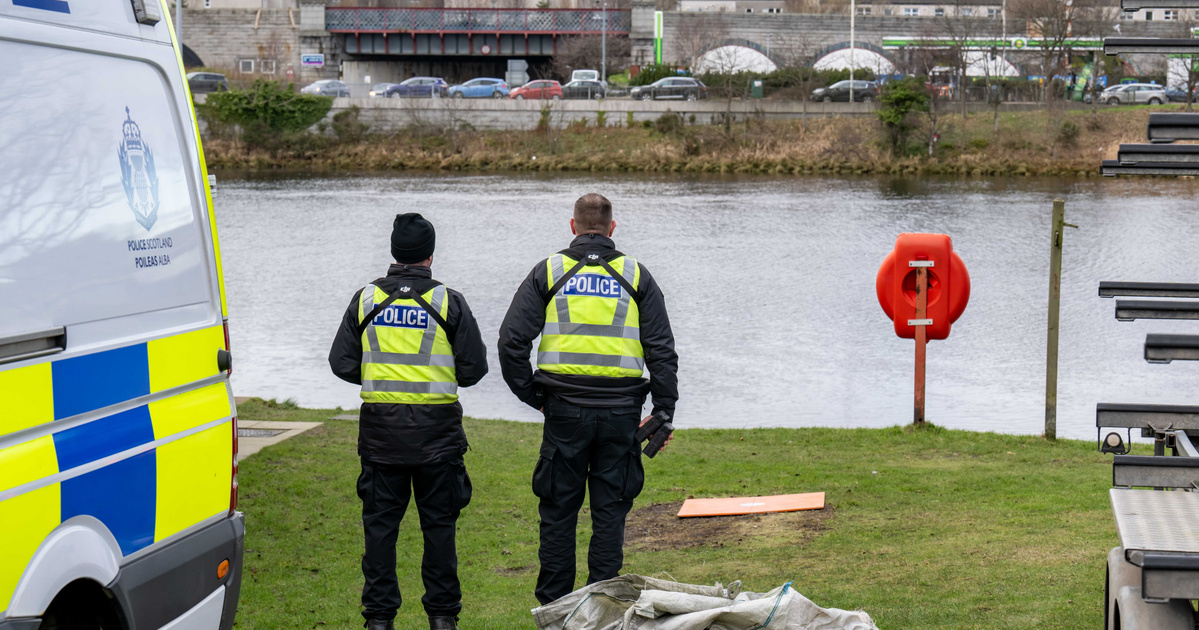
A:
(1037, 143)
(924, 528)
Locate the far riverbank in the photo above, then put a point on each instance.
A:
(1037, 143)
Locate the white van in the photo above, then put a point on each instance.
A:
(118, 474)
(585, 75)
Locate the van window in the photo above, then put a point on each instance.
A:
(97, 217)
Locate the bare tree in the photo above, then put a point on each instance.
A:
(959, 27)
(577, 53)
(818, 6)
(697, 34)
(1186, 67)
(1060, 24)
(796, 51)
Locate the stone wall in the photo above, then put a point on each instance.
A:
(396, 115)
(273, 39)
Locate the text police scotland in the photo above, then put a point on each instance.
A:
(150, 244)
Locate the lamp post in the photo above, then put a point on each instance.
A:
(603, 5)
(853, 11)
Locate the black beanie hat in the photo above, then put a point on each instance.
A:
(412, 238)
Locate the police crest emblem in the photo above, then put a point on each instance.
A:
(138, 175)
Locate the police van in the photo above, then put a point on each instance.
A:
(118, 473)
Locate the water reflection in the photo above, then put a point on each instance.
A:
(770, 285)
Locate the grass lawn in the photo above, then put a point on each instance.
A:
(924, 528)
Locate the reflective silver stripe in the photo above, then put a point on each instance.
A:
(368, 305)
(591, 330)
(396, 358)
(589, 358)
(622, 305)
(426, 343)
(560, 302)
(410, 387)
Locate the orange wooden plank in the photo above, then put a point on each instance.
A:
(752, 505)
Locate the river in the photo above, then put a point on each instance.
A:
(769, 283)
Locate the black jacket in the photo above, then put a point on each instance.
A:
(412, 435)
(526, 318)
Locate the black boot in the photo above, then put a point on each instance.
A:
(443, 623)
(380, 624)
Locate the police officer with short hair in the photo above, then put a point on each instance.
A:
(410, 342)
(602, 321)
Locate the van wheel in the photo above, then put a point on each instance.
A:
(81, 605)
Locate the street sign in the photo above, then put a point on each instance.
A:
(517, 65)
(312, 60)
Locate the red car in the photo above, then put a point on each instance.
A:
(537, 89)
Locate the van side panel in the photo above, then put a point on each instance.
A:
(212, 231)
(28, 396)
(183, 359)
(187, 493)
(28, 518)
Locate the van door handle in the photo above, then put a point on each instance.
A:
(224, 360)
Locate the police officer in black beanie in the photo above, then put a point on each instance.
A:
(410, 342)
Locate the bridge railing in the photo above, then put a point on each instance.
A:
(524, 21)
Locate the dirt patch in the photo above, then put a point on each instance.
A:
(656, 527)
(513, 570)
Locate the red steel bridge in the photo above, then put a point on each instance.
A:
(475, 32)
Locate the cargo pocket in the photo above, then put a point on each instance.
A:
(366, 485)
(634, 478)
(465, 488)
(543, 474)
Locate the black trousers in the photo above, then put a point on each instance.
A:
(441, 490)
(585, 449)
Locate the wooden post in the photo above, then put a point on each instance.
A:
(1055, 301)
(921, 340)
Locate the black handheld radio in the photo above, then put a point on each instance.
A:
(658, 430)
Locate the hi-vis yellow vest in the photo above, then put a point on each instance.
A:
(592, 325)
(406, 357)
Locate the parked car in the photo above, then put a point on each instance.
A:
(480, 88)
(327, 87)
(537, 90)
(420, 87)
(677, 88)
(205, 82)
(584, 89)
(863, 91)
(379, 90)
(1130, 94)
(1178, 94)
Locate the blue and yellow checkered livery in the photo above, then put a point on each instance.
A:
(139, 437)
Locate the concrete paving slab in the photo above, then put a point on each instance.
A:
(261, 434)
(346, 416)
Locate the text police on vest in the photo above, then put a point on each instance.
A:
(403, 317)
(593, 285)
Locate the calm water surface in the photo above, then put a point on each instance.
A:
(769, 283)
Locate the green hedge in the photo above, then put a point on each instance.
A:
(271, 105)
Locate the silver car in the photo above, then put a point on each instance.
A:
(327, 87)
(1134, 93)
